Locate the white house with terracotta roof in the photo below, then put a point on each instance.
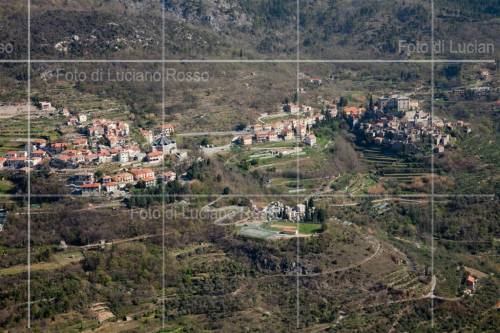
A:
(155, 157)
(315, 80)
(110, 187)
(142, 173)
(167, 129)
(123, 178)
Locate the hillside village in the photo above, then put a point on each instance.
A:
(249, 166)
(399, 124)
(395, 122)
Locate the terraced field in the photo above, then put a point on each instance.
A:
(390, 167)
(405, 281)
(14, 132)
(65, 95)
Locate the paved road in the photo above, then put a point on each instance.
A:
(123, 240)
(194, 134)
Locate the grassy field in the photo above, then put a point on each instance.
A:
(304, 228)
(57, 261)
(5, 186)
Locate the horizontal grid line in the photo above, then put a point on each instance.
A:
(251, 61)
(235, 195)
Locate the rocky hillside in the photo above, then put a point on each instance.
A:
(343, 29)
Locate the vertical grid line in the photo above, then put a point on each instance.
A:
(433, 283)
(298, 163)
(29, 170)
(163, 165)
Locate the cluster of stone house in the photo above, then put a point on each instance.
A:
(286, 130)
(33, 154)
(99, 142)
(73, 158)
(279, 211)
(161, 142)
(405, 133)
(396, 102)
(87, 184)
(114, 132)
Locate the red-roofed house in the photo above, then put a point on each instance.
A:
(149, 181)
(16, 154)
(89, 189)
(155, 157)
(471, 282)
(123, 178)
(38, 153)
(40, 143)
(167, 129)
(352, 110)
(59, 146)
(315, 80)
(142, 173)
(80, 142)
(111, 186)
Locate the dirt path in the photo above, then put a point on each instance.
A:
(362, 262)
(71, 256)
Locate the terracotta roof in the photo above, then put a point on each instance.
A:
(94, 185)
(351, 110)
(141, 171)
(155, 153)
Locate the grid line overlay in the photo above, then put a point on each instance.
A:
(29, 171)
(432, 161)
(29, 61)
(163, 255)
(250, 61)
(297, 185)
